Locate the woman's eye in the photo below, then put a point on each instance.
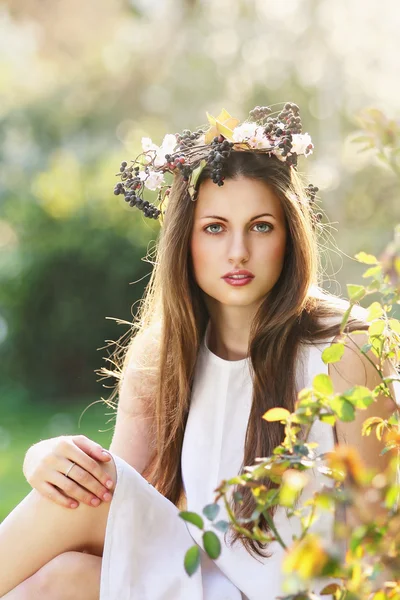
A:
(265, 228)
(213, 225)
(263, 225)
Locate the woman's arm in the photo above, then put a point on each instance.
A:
(355, 369)
(132, 434)
(47, 462)
(38, 530)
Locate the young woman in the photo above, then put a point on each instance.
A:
(233, 323)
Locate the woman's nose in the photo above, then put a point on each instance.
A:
(238, 250)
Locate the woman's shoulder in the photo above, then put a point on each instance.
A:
(329, 311)
(144, 347)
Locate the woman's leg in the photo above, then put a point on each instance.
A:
(38, 530)
(69, 576)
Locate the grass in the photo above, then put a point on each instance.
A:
(24, 425)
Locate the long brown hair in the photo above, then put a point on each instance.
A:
(174, 313)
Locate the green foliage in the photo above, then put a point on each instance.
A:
(333, 353)
(212, 545)
(192, 560)
(70, 274)
(211, 511)
(192, 518)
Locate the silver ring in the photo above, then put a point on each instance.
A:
(69, 468)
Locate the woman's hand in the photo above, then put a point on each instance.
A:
(47, 462)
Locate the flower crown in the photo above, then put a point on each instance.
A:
(189, 152)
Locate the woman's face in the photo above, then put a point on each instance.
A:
(240, 225)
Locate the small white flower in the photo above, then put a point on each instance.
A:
(169, 143)
(154, 180)
(147, 144)
(243, 132)
(157, 153)
(167, 147)
(300, 142)
(252, 134)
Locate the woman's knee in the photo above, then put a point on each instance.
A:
(70, 576)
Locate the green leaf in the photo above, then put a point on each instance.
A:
(394, 419)
(333, 353)
(322, 383)
(368, 259)
(365, 348)
(301, 449)
(359, 396)
(343, 408)
(211, 511)
(376, 328)
(355, 292)
(375, 311)
(192, 560)
(221, 526)
(237, 496)
(212, 545)
(345, 317)
(193, 518)
(196, 172)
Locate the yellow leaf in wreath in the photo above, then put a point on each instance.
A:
(224, 125)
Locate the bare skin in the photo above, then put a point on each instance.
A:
(68, 576)
(39, 539)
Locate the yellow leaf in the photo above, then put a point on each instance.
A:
(367, 259)
(224, 130)
(379, 429)
(367, 424)
(373, 272)
(306, 557)
(276, 414)
(210, 118)
(394, 325)
(221, 125)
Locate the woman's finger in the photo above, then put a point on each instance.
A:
(56, 496)
(73, 490)
(78, 456)
(84, 478)
(91, 448)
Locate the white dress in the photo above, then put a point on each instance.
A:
(146, 540)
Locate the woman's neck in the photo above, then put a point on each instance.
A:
(228, 342)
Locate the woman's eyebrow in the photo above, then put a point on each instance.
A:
(226, 220)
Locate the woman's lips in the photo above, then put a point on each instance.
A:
(238, 281)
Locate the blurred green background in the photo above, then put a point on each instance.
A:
(80, 84)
